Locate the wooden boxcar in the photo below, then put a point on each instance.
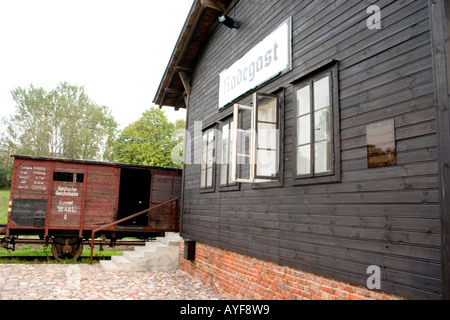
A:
(64, 200)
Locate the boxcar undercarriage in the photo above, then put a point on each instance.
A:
(67, 245)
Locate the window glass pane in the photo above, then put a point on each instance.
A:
(267, 109)
(322, 124)
(244, 118)
(225, 154)
(202, 178)
(225, 143)
(322, 157)
(210, 148)
(204, 150)
(303, 101)
(223, 174)
(210, 156)
(267, 163)
(267, 136)
(80, 177)
(304, 160)
(210, 137)
(209, 177)
(63, 176)
(230, 144)
(322, 93)
(243, 142)
(381, 144)
(243, 167)
(207, 159)
(231, 152)
(303, 130)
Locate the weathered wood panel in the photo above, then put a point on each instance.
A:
(102, 192)
(66, 205)
(29, 194)
(385, 216)
(31, 179)
(164, 187)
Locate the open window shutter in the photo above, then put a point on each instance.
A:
(242, 162)
(266, 140)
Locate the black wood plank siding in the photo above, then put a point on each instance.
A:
(389, 216)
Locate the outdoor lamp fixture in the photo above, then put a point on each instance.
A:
(229, 22)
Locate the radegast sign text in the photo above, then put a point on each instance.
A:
(265, 61)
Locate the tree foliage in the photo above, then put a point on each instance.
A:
(64, 122)
(151, 140)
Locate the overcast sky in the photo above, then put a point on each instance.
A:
(117, 49)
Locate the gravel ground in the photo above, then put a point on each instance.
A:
(90, 282)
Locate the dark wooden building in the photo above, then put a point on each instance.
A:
(318, 136)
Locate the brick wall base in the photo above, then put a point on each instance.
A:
(248, 278)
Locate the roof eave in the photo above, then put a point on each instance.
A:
(175, 68)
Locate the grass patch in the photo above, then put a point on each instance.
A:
(34, 250)
(4, 203)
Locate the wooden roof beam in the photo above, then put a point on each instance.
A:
(190, 28)
(169, 90)
(186, 83)
(219, 6)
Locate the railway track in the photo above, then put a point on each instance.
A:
(33, 241)
(47, 258)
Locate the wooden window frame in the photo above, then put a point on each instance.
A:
(209, 188)
(277, 125)
(277, 180)
(61, 176)
(229, 185)
(334, 175)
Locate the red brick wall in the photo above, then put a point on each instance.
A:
(249, 278)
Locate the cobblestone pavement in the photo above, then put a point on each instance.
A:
(90, 282)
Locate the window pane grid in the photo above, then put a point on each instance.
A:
(206, 169)
(314, 140)
(266, 136)
(227, 155)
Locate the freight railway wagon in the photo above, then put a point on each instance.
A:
(63, 201)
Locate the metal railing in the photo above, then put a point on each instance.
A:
(105, 226)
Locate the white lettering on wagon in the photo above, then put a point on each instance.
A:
(265, 61)
(32, 177)
(67, 191)
(67, 208)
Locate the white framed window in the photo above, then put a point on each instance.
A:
(256, 140)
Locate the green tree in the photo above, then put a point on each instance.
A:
(64, 122)
(150, 140)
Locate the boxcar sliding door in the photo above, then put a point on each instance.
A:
(164, 186)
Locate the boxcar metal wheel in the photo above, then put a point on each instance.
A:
(66, 248)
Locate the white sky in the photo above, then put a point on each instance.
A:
(117, 49)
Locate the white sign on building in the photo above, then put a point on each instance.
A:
(265, 61)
